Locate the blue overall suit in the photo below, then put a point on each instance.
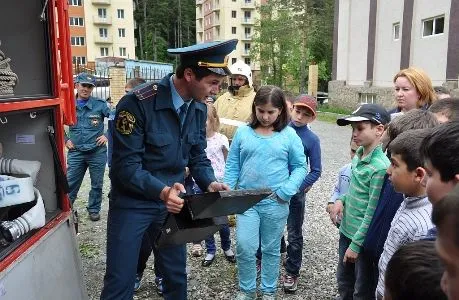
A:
(86, 154)
(150, 150)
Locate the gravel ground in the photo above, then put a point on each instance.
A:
(219, 281)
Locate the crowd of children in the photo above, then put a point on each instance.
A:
(396, 204)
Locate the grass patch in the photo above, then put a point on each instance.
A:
(327, 117)
(337, 110)
(89, 250)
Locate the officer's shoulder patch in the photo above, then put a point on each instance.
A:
(146, 91)
(125, 122)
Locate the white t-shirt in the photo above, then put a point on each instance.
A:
(214, 151)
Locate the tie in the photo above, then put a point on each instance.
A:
(182, 113)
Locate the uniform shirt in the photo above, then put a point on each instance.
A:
(237, 108)
(361, 199)
(89, 125)
(151, 149)
(411, 222)
(257, 161)
(342, 184)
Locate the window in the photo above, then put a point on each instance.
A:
(121, 32)
(73, 21)
(102, 13)
(247, 32)
(247, 15)
(233, 60)
(77, 40)
(246, 48)
(120, 13)
(103, 32)
(396, 31)
(75, 2)
(247, 61)
(103, 51)
(122, 51)
(79, 60)
(233, 30)
(433, 26)
(367, 98)
(233, 14)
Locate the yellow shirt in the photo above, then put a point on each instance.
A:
(233, 109)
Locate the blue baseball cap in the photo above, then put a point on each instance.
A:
(85, 78)
(374, 113)
(212, 55)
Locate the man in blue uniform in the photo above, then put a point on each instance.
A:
(86, 143)
(160, 130)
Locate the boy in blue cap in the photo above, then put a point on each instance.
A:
(86, 143)
(160, 130)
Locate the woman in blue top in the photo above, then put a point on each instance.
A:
(264, 154)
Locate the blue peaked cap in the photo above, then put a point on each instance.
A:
(212, 55)
(85, 78)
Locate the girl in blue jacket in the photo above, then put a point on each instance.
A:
(264, 154)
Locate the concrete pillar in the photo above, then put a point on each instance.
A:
(117, 83)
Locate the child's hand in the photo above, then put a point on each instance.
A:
(337, 212)
(350, 256)
(329, 208)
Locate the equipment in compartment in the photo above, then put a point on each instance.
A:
(17, 178)
(8, 79)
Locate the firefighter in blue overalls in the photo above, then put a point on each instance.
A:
(87, 144)
(160, 130)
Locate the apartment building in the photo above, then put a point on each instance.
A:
(101, 28)
(228, 19)
(374, 39)
(78, 32)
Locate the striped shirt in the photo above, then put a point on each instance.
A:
(360, 201)
(411, 222)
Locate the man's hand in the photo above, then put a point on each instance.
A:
(170, 195)
(350, 256)
(69, 145)
(217, 186)
(307, 189)
(337, 212)
(101, 140)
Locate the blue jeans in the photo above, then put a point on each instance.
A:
(225, 240)
(126, 228)
(295, 234)
(77, 164)
(263, 222)
(355, 280)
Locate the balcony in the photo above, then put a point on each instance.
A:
(216, 6)
(199, 2)
(101, 2)
(246, 37)
(216, 22)
(246, 52)
(247, 21)
(103, 39)
(102, 20)
(248, 5)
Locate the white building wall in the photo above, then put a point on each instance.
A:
(343, 40)
(387, 50)
(358, 42)
(430, 53)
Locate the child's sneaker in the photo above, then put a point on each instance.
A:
(196, 250)
(290, 283)
(138, 281)
(159, 285)
(245, 296)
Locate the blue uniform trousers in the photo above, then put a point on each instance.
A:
(125, 229)
(77, 164)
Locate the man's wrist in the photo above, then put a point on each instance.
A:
(163, 193)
